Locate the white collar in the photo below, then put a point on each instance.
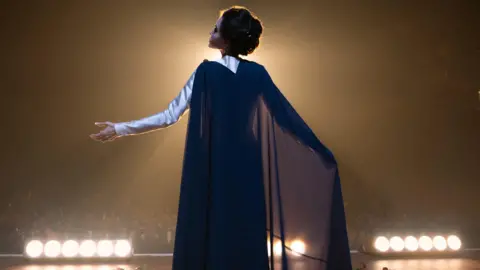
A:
(229, 62)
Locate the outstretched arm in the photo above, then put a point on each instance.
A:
(176, 109)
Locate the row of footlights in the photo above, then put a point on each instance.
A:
(421, 244)
(78, 249)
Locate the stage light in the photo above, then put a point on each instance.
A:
(52, 249)
(122, 248)
(440, 243)
(298, 247)
(34, 249)
(382, 244)
(425, 243)
(454, 243)
(105, 248)
(70, 248)
(87, 249)
(411, 243)
(277, 248)
(397, 244)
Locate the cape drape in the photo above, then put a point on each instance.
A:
(259, 191)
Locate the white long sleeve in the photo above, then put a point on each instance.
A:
(176, 109)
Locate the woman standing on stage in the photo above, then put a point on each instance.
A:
(255, 177)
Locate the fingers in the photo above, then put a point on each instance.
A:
(104, 124)
(104, 137)
(101, 136)
(107, 134)
(96, 137)
(112, 139)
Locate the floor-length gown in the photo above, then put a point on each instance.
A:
(258, 191)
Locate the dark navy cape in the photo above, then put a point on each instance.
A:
(255, 175)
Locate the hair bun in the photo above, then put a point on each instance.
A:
(256, 28)
(242, 31)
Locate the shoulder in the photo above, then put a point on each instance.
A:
(256, 67)
(202, 66)
(206, 63)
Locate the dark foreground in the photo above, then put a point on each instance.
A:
(465, 262)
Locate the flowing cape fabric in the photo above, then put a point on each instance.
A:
(256, 180)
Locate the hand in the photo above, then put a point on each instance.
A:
(108, 134)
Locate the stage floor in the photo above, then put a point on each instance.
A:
(164, 263)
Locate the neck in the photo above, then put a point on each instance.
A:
(224, 53)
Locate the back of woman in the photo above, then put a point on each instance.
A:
(259, 190)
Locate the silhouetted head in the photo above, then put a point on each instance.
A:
(237, 32)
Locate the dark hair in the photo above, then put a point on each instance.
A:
(241, 30)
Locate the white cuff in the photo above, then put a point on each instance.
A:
(121, 129)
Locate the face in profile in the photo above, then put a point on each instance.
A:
(216, 41)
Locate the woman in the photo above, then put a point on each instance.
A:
(255, 178)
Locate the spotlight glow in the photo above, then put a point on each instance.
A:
(52, 249)
(382, 244)
(411, 243)
(34, 249)
(397, 244)
(440, 243)
(298, 247)
(454, 243)
(425, 243)
(70, 248)
(105, 248)
(277, 248)
(88, 248)
(122, 248)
